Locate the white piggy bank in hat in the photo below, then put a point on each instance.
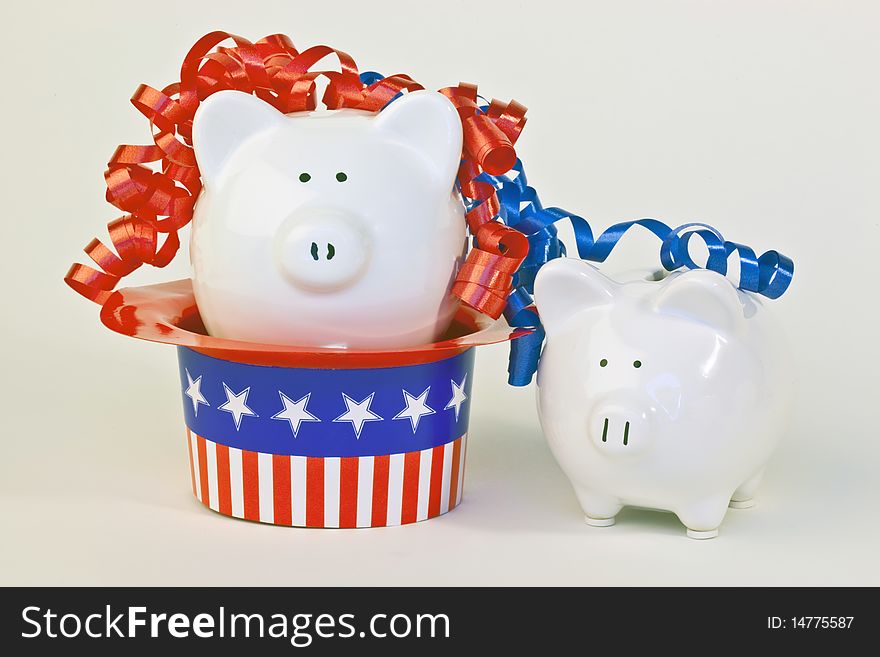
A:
(668, 394)
(329, 228)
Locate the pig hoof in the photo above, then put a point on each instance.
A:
(598, 522)
(702, 535)
(742, 504)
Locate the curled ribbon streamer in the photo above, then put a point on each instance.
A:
(520, 208)
(156, 185)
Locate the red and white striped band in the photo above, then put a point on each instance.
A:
(309, 491)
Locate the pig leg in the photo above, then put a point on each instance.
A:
(599, 510)
(703, 518)
(743, 497)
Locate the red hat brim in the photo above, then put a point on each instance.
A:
(167, 313)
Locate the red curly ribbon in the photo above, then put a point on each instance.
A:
(156, 185)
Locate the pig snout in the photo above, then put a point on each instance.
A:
(322, 250)
(618, 425)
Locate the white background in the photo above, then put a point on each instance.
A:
(760, 118)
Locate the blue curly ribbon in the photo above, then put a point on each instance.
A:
(370, 77)
(769, 274)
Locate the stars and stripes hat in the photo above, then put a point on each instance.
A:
(359, 447)
(310, 436)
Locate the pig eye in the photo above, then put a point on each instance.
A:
(341, 177)
(304, 177)
(637, 364)
(603, 362)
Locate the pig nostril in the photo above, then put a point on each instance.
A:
(331, 251)
(605, 431)
(626, 433)
(314, 251)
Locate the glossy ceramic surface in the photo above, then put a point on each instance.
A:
(667, 394)
(167, 313)
(328, 228)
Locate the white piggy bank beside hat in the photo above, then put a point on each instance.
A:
(667, 394)
(334, 228)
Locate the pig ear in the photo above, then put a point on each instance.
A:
(223, 122)
(427, 122)
(703, 296)
(566, 286)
